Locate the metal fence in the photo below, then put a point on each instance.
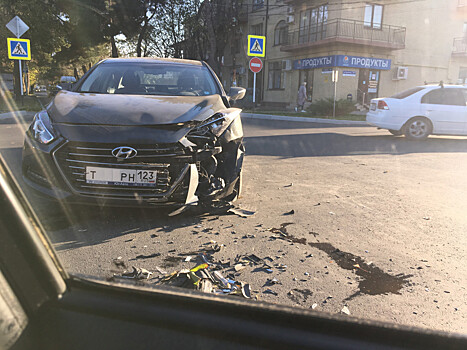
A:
(348, 29)
(460, 45)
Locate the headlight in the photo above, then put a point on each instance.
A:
(218, 123)
(42, 128)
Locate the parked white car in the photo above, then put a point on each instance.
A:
(421, 111)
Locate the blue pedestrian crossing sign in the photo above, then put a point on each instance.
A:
(256, 45)
(19, 49)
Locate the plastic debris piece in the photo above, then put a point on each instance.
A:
(289, 185)
(221, 279)
(314, 306)
(289, 212)
(188, 258)
(239, 267)
(426, 218)
(332, 213)
(246, 292)
(119, 262)
(254, 259)
(204, 258)
(345, 310)
(194, 278)
(269, 291)
(241, 212)
(162, 271)
(136, 273)
(199, 267)
(205, 285)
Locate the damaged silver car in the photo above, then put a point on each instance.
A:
(138, 132)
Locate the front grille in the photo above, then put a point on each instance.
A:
(169, 160)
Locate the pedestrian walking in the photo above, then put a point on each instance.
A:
(301, 98)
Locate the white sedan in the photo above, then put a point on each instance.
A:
(421, 111)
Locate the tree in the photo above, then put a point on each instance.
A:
(211, 29)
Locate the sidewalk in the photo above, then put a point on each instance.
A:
(303, 119)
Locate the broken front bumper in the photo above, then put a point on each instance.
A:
(184, 175)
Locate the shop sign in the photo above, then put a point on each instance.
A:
(343, 61)
(326, 71)
(315, 62)
(363, 62)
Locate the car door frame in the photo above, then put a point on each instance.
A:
(447, 119)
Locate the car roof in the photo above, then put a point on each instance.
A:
(152, 60)
(432, 86)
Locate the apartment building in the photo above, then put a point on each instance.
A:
(379, 48)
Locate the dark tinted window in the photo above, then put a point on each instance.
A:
(407, 93)
(150, 79)
(441, 96)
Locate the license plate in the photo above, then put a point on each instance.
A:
(120, 177)
(373, 106)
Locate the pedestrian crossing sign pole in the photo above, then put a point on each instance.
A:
(19, 49)
(256, 45)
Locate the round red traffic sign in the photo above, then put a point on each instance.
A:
(256, 65)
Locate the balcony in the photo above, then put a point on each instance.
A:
(242, 13)
(462, 7)
(344, 31)
(460, 47)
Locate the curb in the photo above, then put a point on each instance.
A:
(303, 119)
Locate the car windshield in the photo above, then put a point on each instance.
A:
(311, 154)
(150, 79)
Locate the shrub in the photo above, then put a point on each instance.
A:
(324, 107)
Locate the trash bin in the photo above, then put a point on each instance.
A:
(349, 97)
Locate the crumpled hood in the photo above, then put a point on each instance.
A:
(131, 110)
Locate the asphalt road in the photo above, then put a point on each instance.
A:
(378, 225)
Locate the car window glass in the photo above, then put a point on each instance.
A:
(150, 79)
(454, 97)
(464, 95)
(407, 93)
(444, 96)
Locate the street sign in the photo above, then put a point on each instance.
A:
(256, 65)
(19, 49)
(256, 45)
(17, 26)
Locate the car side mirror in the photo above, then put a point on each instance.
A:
(236, 93)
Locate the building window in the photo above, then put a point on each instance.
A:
(280, 33)
(373, 16)
(276, 76)
(257, 4)
(313, 24)
(257, 29)
(463, 75)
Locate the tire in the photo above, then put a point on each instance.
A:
(418, 128)
(396, 132)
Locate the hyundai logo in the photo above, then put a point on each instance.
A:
(122, 153)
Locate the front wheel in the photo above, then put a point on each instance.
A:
(417, 128)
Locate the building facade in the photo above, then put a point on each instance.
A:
(378, 48)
